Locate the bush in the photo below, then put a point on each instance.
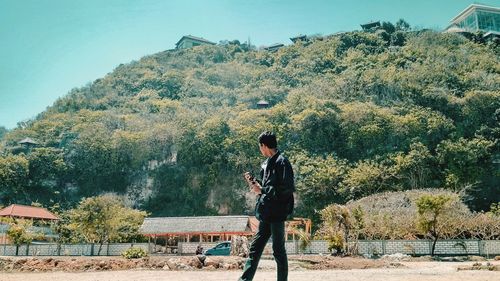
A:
(134, 253)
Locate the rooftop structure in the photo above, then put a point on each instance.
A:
(476, 17)
(207, 228)
(299, 38)
(262, 104)
(189, 41)
(273, 47)
(370, 25)
(27, 212)
(28, 141)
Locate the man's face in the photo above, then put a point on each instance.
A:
(262, 148)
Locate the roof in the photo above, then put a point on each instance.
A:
(370, 24)
(455, 29)
(22, 211)
(298, 38)
(195, 39)
(492, 34)
(192, 225)
(471, 8)
(27, 140)
(274, 46)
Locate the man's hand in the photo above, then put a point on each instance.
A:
(254, 185)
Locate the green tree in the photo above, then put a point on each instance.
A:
(401, 24)
(337, 220)
(415, 167)
(19, 232)
(3, 131)
(465, 162)
(14, 170)
(430, 210)
(105, 219)
(388, 26)
(318, 181)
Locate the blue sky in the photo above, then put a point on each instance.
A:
(48, 47)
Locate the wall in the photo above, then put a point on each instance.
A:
(487, 248)
(70, 249)
(381, 247)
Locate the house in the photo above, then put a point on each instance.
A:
(39, 216)
(262, 104)
(208, 228)
(189, 41)
(477, 17)
(197, 229)
(370, 25)
(299, 38)
(27, 144)
(273, 47)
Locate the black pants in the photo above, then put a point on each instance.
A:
(266, 230)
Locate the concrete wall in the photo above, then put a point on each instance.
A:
(70, 249)
(487, 248)
(382, 247)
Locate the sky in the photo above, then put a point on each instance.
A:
(48, 47)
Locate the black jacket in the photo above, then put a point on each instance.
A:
(276, 201)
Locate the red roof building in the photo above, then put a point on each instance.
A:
(27, 212)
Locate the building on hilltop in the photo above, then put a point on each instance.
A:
(189, 41)
(299, 38)
(373, 25)
(477, 18)
(273, 47)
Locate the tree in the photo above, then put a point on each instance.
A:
(105, 219)
(318, 182)
(13, 178)
(337, 221)
(401, 24)
(3, 131)
(415, 167)
(388, 26)
(19, 232)
(430, 210)
(465, 162)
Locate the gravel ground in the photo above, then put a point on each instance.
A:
(413, 271)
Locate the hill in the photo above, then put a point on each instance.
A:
(357, 113)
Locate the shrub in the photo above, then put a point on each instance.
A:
(134, 253)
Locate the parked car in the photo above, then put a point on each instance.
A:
(221, 249)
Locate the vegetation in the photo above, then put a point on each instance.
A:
(100, 220)
(357, 113)
(406, 215)
(430, 210)
(134, 253)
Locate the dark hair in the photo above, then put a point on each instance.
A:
(269, 139)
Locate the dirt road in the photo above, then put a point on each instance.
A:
(414, 271)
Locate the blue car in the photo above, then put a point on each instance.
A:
(221, 249)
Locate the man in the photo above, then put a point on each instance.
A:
(274, 203)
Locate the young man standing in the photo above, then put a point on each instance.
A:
(274, 203)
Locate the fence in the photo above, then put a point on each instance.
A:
(382, 247)
(113, 249)
(487, 248)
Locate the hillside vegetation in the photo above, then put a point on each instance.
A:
(357, 113)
